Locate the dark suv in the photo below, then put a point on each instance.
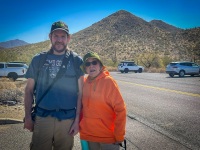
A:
(182, 68)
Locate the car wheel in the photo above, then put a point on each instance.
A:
(135, 71)
(126, 70)
(13, 76)
(181, 73)
(140, 70)
(171, 75)
(122, 71)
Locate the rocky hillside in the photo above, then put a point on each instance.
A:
(164, 26)
(124, 36)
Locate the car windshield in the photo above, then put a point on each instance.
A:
(173, 64)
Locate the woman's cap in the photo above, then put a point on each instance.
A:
(92, 55)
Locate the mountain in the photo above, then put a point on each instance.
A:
(164, 26)
(119, 33)
(124, 36)
(13, 43)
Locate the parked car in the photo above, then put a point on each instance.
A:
(127, 66)
(182, 68)
(13, 70)
(9, 103)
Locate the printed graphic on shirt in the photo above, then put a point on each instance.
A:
(54, 66)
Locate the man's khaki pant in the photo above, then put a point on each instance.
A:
(50, 133)
(102, 146)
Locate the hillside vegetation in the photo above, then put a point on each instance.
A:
(124, 36)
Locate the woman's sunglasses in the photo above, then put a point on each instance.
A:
(87, 64)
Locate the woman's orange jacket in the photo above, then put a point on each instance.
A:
(104, 110)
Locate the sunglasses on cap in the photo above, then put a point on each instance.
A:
(87, 64)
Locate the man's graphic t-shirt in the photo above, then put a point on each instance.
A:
(64, 93)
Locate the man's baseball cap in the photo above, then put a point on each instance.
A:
(59, 25)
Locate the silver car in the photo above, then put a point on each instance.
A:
(182, 68)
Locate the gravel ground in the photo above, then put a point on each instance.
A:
(14, 137)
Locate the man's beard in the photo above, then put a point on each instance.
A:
(60, 50)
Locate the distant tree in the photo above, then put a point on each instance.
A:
(166, 60)
(114, 56)
(149, 59)
(196, 52)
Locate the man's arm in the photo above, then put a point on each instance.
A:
(28, 101)
(75, 127)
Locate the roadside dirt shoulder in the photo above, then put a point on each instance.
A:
(13, 112)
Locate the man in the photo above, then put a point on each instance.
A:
(57, 107)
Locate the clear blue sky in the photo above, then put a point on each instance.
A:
(30, 20)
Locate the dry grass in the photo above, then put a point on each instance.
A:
(14, 112)
(7, 84)
(109, 68)
(155, 70)
(12, 91)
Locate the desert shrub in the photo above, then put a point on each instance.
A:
(109, 68)
(154, 70)
(11, 95)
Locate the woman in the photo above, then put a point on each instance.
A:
(104, 111)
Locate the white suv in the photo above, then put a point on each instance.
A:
(13, 70)
(127, 66)
(182, 68)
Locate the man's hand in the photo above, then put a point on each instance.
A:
(28, 124)
(74, 128)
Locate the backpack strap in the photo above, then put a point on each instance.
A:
(42, 60)
(75, 60)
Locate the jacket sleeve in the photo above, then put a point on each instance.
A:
(119, 108)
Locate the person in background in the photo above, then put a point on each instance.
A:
(57, 113)
(103, 109)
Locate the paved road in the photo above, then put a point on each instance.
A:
(168, 105)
